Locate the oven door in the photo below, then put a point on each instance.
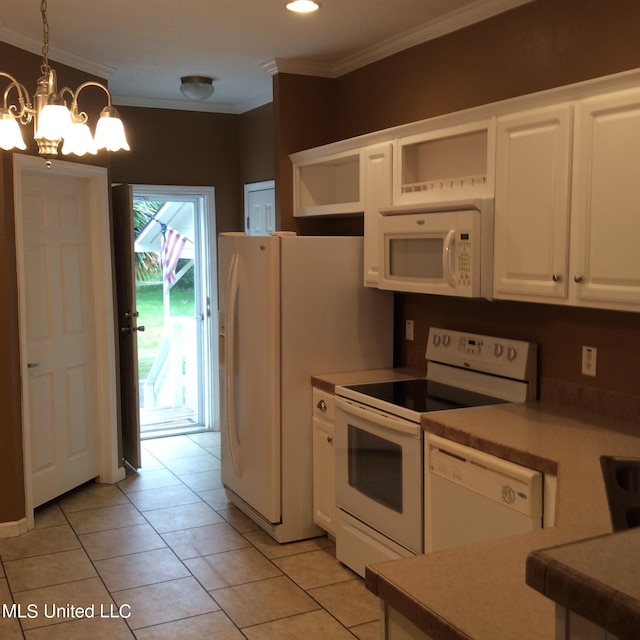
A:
(379, 471)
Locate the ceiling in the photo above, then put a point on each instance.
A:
(143, 47)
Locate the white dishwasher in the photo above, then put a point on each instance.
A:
(471, 496)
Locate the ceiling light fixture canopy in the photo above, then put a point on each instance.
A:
(303, 6)
(196, 87)
(54, 119)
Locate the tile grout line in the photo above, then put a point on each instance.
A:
(210, 593)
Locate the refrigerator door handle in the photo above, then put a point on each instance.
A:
(232, 431)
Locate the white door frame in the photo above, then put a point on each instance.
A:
(110, 465)
(204, 200)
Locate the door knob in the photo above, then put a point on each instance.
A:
(140, 328)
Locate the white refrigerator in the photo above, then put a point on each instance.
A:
(289, 307)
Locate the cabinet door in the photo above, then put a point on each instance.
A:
(606, 202)
(324, 482)
(533, 163)
(377, 194)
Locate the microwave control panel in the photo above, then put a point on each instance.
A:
(464, 259)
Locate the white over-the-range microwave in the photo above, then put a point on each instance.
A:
(444, 248)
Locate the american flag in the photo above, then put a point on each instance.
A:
(172, 245)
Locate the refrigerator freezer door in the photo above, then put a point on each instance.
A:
(251, 365)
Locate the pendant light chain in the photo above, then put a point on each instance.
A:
(45, 38)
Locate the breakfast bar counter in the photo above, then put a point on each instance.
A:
(494, 590)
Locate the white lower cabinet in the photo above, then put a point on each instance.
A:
(324, 481)
(395, 626)
(571, 626)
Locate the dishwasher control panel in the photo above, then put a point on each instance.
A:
(515, 486)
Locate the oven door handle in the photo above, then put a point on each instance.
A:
(380, 419)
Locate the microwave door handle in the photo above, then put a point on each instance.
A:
(447, 256)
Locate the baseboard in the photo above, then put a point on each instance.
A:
(13, 529)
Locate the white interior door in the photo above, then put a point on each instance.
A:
(259, 208)
(66, 332)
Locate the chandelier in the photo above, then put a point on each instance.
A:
(55, 114)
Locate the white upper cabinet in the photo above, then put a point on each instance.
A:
(532, 204)
(376, 161)
(567, 208)
(455, 163)
(605, 254)
(328, 184)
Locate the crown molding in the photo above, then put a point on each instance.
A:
(62, 57)
(179, 105)
(451, 22)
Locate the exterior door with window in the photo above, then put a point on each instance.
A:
(122, 198)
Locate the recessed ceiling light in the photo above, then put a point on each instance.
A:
(303, 6)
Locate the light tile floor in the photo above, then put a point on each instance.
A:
(164, 555)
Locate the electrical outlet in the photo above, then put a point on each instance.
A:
(589, 360)
(408, 330)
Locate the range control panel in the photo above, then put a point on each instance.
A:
(500, 356)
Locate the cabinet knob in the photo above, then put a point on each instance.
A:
(322, 405)
(556, 277)
(329, 439)
(578, 278)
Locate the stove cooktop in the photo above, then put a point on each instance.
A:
(421, 395)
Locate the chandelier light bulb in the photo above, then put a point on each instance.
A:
(79, 140)
(110, 131)
(10, 134)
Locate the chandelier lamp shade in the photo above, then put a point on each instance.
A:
(55, 114)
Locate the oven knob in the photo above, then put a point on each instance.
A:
(436, 340)
(512, 352)
(446, 340)
(498, 350)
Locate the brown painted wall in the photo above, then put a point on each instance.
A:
(257, 141)
(184, 148)
(537, 46)
(11, 473)
(534, 47)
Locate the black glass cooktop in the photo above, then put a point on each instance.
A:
(421, 395)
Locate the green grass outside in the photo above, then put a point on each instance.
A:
(150, 305)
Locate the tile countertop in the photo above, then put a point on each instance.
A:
(480, 591)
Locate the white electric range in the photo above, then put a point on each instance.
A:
(379, 441)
